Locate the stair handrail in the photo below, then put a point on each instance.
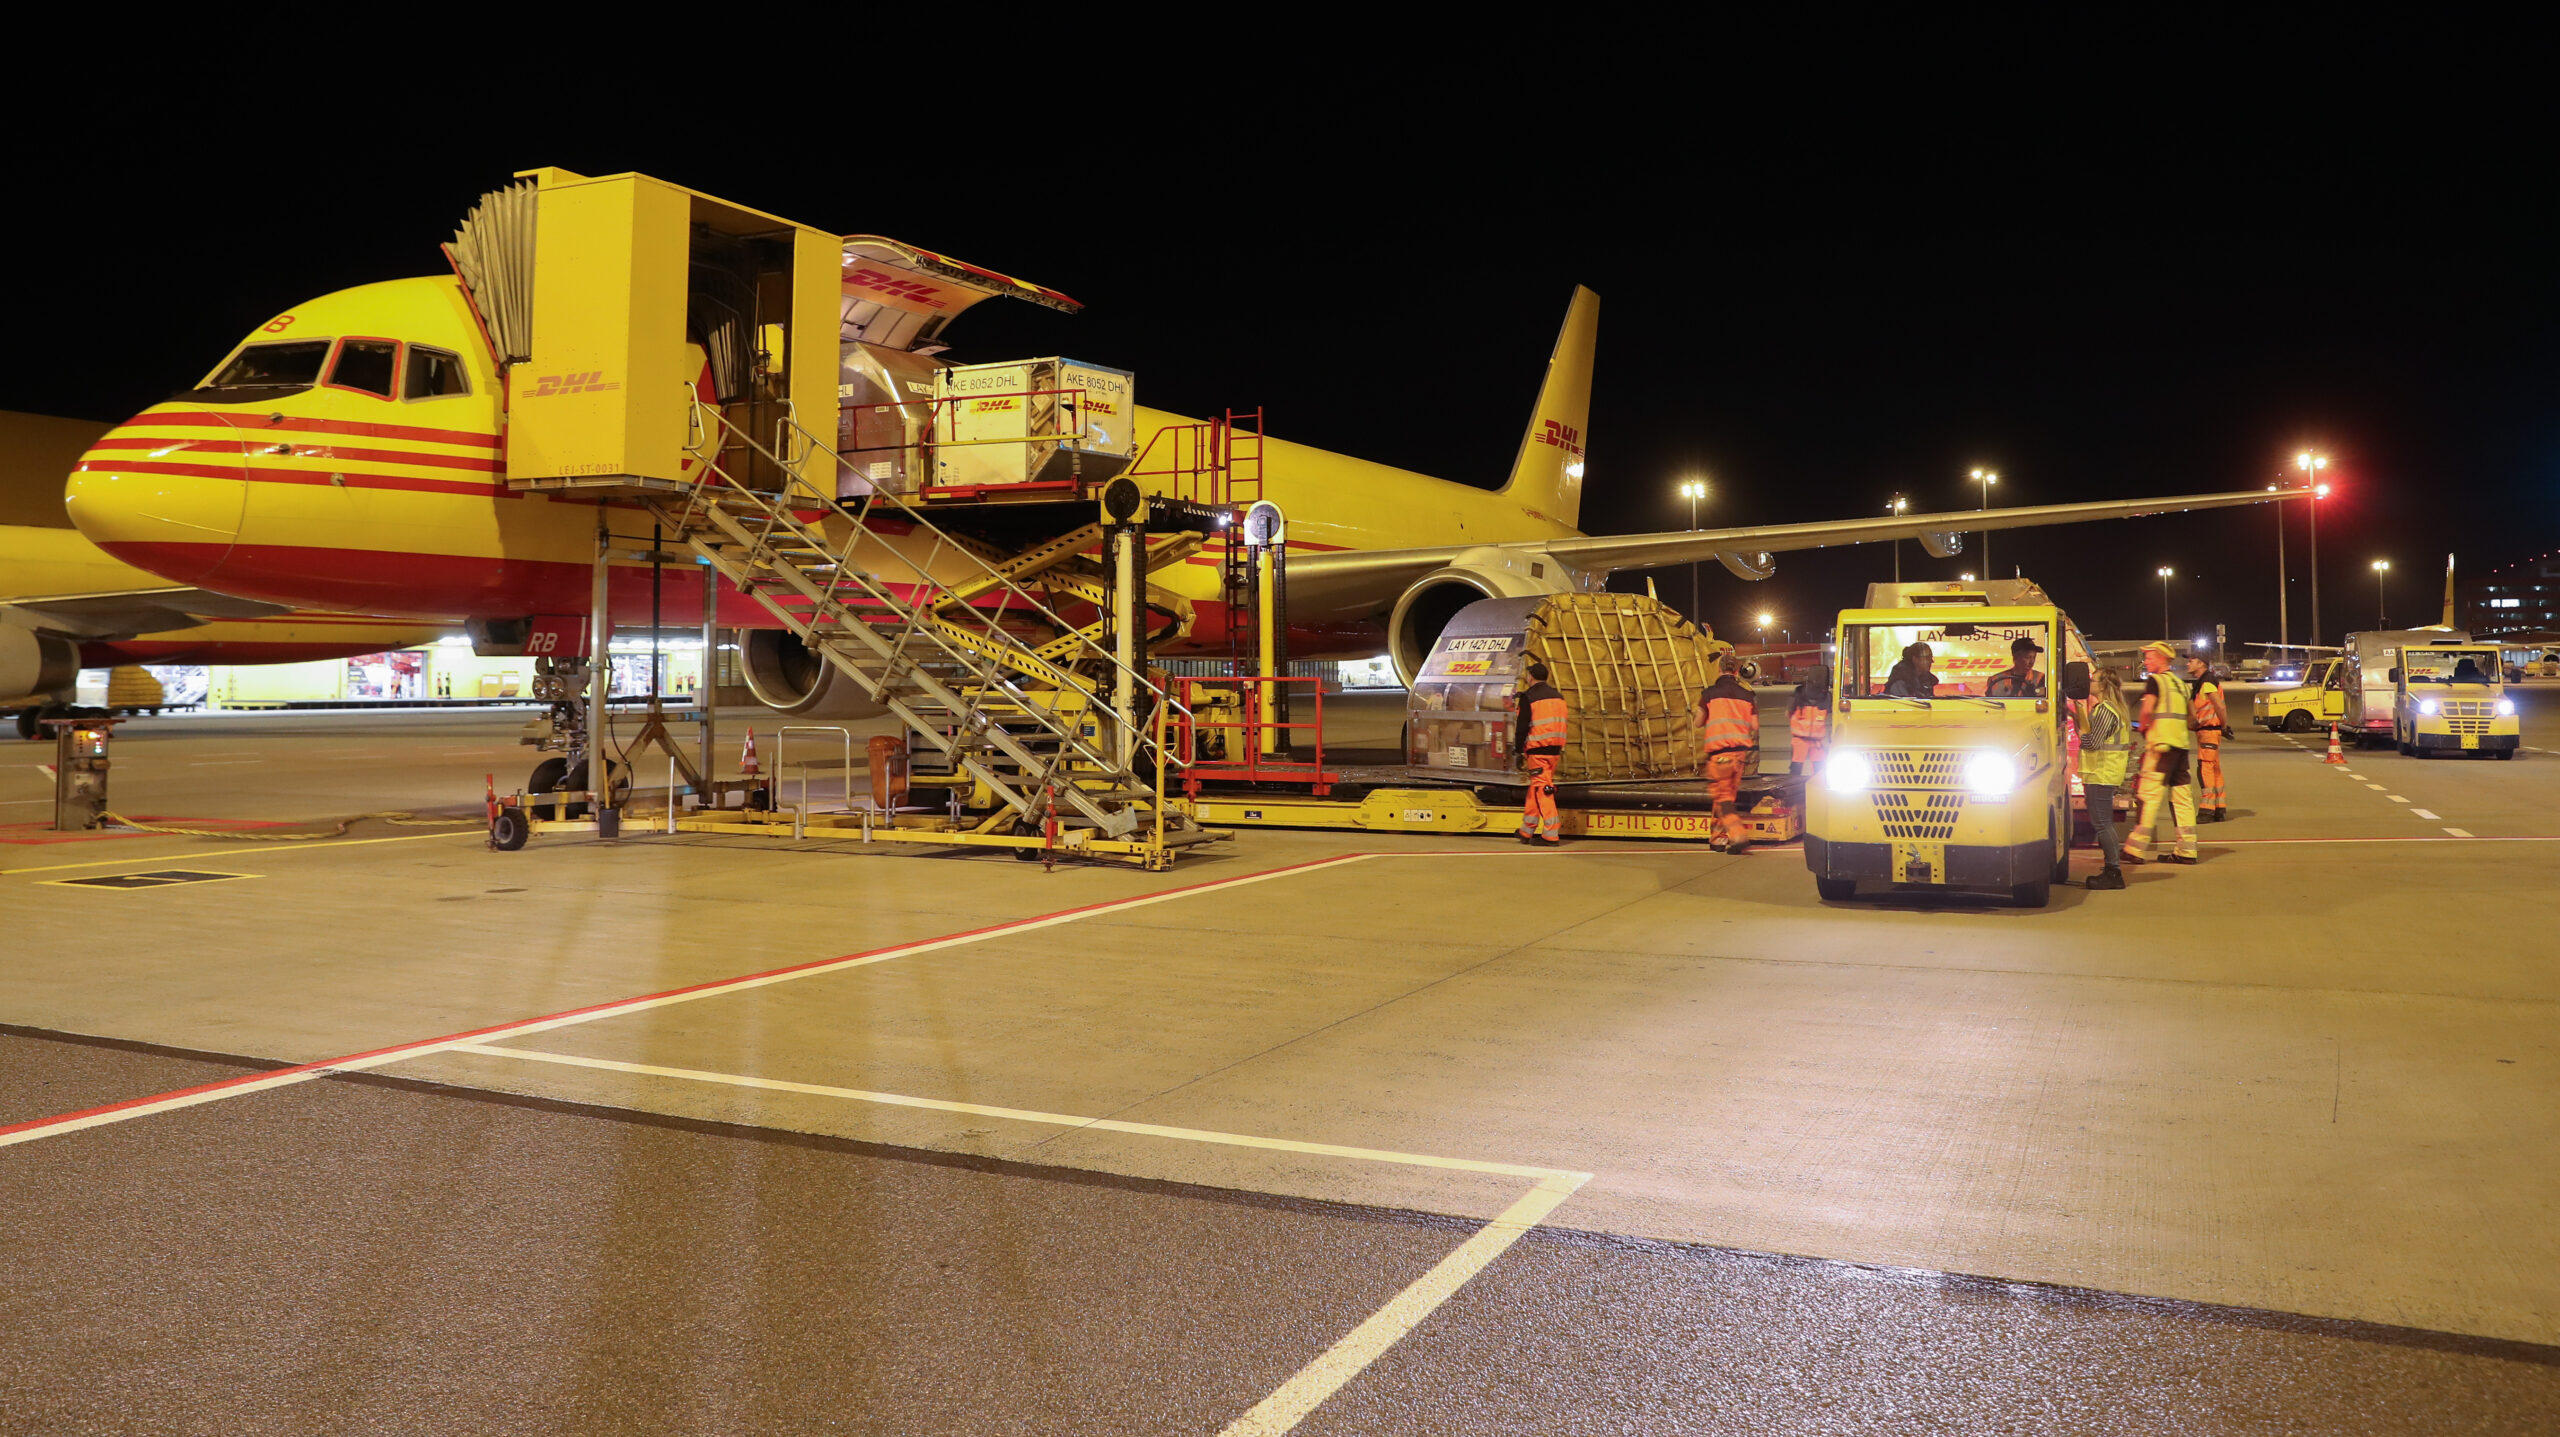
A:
(775, 509)
(858, 519)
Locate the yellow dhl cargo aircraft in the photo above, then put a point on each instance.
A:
(353, 454)
(66, 606)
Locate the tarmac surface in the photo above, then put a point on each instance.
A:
(1322, 1133)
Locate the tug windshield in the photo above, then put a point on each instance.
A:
(2450, 666)
(1954, 660)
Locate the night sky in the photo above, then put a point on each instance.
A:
(2148, 290)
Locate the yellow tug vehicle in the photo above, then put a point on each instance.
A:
(1952, 783)
(2452, 698)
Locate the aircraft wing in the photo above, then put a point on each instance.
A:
(1747, 552)
(124, 613)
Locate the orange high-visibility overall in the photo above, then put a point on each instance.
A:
(1538, 816)
(1808, 736)
(1730, 736)
(2210, 725)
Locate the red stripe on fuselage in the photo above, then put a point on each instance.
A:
(347, 478)
(247, 423)
(435, 587)
(332, 451)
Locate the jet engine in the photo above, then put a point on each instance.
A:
(1428, 605)
(785, 675)
(34, 667)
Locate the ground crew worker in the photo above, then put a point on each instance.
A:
(1537, 735)
(2020, 680)
(2106, 752)
(1809, 722)
(1729, 732)
(2165, 759)
(2205, 713)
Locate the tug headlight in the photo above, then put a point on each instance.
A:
(2506, 708)
(1848, 772)
(1991, 774)
(2427, 707)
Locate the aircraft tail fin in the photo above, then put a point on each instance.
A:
(2448, 591)
(1547, 476)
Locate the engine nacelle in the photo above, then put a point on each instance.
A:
(786, 676)
(35, 667)
(1753, 566)
(1943, 545)
(1434, 599)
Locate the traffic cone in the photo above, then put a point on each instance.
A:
(2335, 756)
(747, 756)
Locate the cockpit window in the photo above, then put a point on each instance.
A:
(366, 365)
(433, 373)
(290, 364)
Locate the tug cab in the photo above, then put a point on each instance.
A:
(1955, 788)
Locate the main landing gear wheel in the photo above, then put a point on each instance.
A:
(1835, 890)
(509, 830)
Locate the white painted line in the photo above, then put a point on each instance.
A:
(1320, 1379)
(2373, 785)
(272, 848)
(220, 762)
(2395, 798)
(15, 801)
(2422, 813)
(2459, 832)
(358, 1062)
(1024, 1115)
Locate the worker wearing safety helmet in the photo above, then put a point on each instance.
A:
(2167, 744)
(2211, 721)
(1729, 733)
(1538, 736)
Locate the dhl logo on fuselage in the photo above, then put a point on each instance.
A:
(590, 382)
(911, 290)
(1562, 436)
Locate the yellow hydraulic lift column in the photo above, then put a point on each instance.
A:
(1267, 532)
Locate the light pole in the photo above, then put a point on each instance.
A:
(2381, 600)
(2284, 615)
(1896, 506)
(2311, 464)
(1986, 478)
(2164, 602)
(1693, 490)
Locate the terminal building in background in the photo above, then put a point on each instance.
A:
(2518, 605)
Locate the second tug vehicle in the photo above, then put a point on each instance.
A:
(2451, 698)
(1950, 789)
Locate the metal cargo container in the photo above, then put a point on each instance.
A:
(1032, 421)
(1629, 667)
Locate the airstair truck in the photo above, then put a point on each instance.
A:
(1954, 788)
(2452, 698)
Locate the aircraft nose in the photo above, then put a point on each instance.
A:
(164, 491)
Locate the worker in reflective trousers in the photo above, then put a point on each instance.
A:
(2211, 721)
(1729, 731)
(1537, 735)
(1809, 722)
(2166, 745)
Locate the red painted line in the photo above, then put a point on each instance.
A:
(599, 1009)
(349, 478)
